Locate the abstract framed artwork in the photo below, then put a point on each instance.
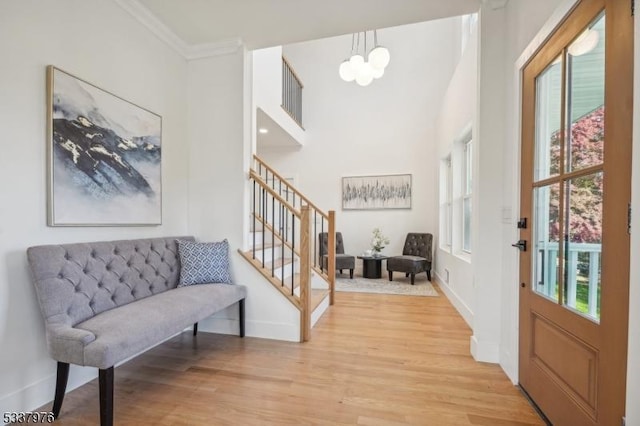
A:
(376, 192)
(104, 157)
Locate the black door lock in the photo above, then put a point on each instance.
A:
(520, 245)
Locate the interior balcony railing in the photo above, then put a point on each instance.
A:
(581, 275)
(291, 92)
(285, 247)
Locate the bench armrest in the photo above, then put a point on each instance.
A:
(66, 344)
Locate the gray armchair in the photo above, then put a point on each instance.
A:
(343, 261)
(416, 257)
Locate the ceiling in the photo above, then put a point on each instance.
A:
(189, 25)
(277, 137)
(266, 23)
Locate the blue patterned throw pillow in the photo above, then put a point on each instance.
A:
(204, 263)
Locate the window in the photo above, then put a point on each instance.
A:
(467, 188)
(446, 204)
(455, 197)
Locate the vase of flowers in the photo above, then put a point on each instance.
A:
(378, 242)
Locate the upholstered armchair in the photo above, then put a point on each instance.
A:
(416, 257)
(343, 261)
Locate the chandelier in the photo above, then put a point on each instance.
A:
(355, 68)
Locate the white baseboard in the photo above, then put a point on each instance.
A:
(40, 393)
(455, 300)
(485, 351)
(261, 329)
(220, 325)
(273, 330)
(509, 365)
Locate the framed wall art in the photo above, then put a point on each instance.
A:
(376, 192)
(104, 156)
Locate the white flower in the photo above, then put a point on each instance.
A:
(378, 241)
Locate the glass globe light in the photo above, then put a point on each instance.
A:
(364, 81)
(377, 73)
(357, 61)
(346, 71)
(379, 57)
(364, 76)
(585, 43)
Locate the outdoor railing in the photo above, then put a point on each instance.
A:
(582, 269)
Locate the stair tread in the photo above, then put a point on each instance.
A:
(287, 281)
(267, 245)
(277, 263)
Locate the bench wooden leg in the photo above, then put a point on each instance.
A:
(429, 274)
(106, 396)
(413, 278)
(241, 317)
(195, 329)
(61, 387)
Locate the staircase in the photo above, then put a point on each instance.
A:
(284, 244)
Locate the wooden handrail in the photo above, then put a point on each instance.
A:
(292, 188)
(331, 248)
(275, 195)
(305, 275)
(280, 220)
(293, 72)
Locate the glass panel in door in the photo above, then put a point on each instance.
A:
(546, 240)
(548, 117)
(585, 98)
(584, 245)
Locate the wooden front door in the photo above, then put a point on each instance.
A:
(575, 193)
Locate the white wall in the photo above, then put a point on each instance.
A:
(523, 22)
(487, 200)
(100, 43)
(220, 143)
(385, 128)
(267, 90)
(495, 294)
(456, 118)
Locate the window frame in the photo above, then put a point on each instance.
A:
(467, 193)
(446, 204)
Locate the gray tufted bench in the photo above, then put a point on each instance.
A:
(104, 302)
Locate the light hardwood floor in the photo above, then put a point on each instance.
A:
(372, 360)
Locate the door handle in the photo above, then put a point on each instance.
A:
(520, 245)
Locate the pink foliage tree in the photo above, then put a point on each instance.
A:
(585, 193)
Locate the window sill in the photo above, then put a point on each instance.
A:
(446, 249)
(463, 255)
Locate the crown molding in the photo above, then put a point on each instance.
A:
(189, 51)
(218, 48)
(495, 4)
